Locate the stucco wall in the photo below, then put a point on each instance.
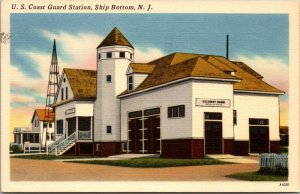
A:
(171, 128)
(107, 105)
(212, 90)
(256, 106)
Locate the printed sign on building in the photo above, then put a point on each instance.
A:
(212, 102)
(70, 111)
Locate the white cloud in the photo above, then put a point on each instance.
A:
(274, 70)
(147, 55)
(22, 98)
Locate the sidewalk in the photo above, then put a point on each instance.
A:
(114, 157)
(234, 159)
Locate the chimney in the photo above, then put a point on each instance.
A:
(227, 46)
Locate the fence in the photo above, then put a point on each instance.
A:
(273, 160)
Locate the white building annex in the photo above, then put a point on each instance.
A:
(36, 137)
(182, 105)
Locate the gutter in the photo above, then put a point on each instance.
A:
(258, 92)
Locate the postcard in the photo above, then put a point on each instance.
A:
(149, 96)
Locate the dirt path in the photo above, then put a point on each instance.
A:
(43, 170)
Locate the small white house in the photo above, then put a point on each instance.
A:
(182, 105)
(37, 136)
(44, 126)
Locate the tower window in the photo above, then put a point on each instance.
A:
(130, 55)
(234, 117)
(108, 78)
(130, 83)
(109, 55)
(99, 55)
(108, 129)
(122, 54)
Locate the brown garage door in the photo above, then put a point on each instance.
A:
(144, 131)
(259, 135)
(213, 133)
(134, 132)
(152, 135)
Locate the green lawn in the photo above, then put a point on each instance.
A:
(254, 176)
(154, 162)
(48, 157)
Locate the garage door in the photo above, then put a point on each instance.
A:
(144, 131)
(259, 135)
(213, 133)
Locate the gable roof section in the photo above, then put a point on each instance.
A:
(142, 67)
(181, 65)
(82, 82)
(115, 37)
(249, 82)
(247, 68)
(41, 115)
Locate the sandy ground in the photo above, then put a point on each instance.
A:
(44, 170)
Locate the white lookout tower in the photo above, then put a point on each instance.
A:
(113, 57)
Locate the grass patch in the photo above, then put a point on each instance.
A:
(154, 162)
(48, 157)
(255, 176)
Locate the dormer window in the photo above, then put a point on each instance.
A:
(99, 56)
(62, 94)
(66, 93)
(130, 82)
(130, 55)
(122, 54)
(109, 55)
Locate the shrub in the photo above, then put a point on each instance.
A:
(16, 148)
(277, 171)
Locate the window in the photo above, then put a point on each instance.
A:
(52, 136)
(97, 147)
(48, 136)
(62, 94)
(108, 129)
(37, 123)
(130, 83)
(213, 116)
(66, 93)
(234, 117)
(153, 111)
(176, 111)
(130, 55)
(50, 125)
(64, 79)
(258, 121)
(60, 126)
(122, 54)
(99, 56)
(108, 78)
(109, 55)
(45, 125)
(135, 114)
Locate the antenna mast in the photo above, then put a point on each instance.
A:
(227, 46)
(51, 93)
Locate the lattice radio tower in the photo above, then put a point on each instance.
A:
(51, 93)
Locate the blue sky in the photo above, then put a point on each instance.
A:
(259, 40)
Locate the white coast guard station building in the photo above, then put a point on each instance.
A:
(182, 105)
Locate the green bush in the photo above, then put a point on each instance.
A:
(277, 171)
(16, 148)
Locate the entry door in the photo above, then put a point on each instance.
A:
(135, 135)
(259, 139)
(71, 125)
(152, 134)
(213, 137)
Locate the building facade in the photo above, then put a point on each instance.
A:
(182, 105)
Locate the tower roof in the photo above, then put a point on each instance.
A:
(115, 37)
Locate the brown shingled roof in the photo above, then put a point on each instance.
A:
(115, 37)
(82, 82)
(248, 81)
(41, 115)
(247, 68)
(181, 65)
(142, 67)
